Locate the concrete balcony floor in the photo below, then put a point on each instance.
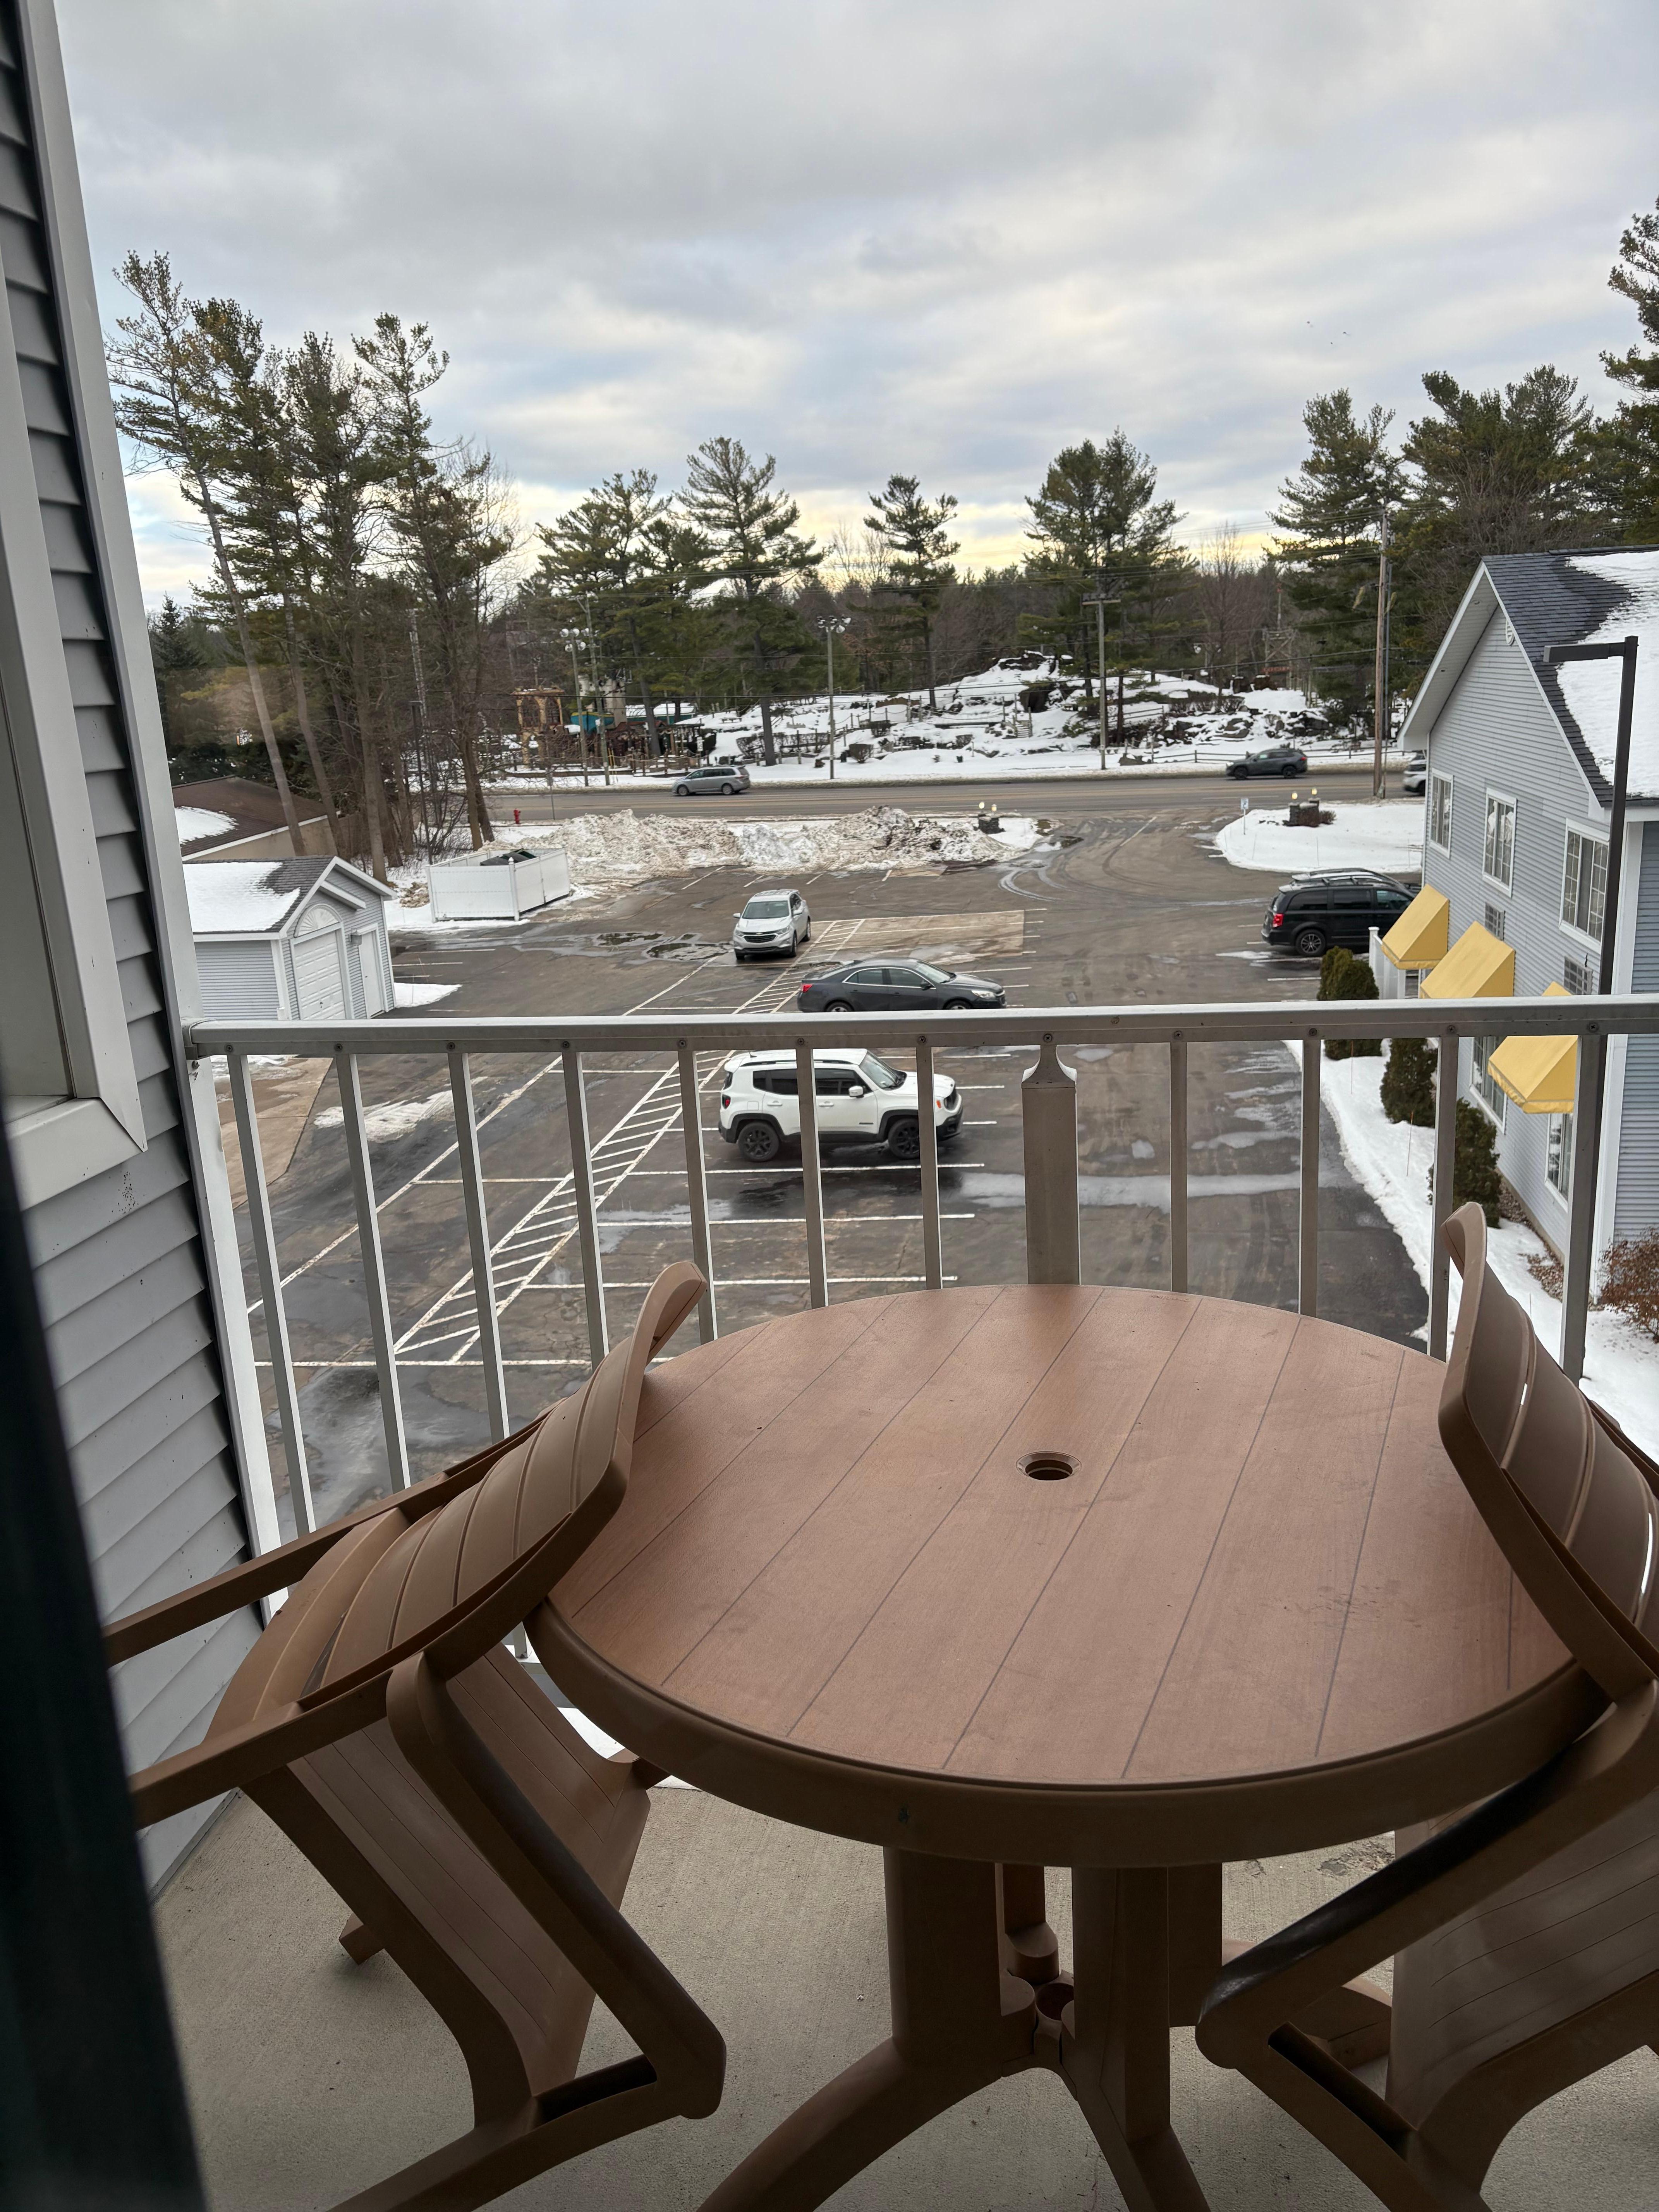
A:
(310, 2078)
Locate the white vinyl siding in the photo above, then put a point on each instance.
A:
(1498, 858)
(1440, 812)
(239, 980)
(1584, 883)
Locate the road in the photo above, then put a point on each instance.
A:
(1127, 902)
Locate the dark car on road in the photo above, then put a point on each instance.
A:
(1271, 760)
(712, 780)
(1316, 912)
(887, 985)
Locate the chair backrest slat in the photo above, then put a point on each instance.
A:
(1575, 1515)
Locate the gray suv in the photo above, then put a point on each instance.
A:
(714, 779)
(773, 921)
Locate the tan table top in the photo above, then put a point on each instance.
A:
(1260, 1614)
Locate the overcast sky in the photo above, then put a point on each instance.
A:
(940, 236)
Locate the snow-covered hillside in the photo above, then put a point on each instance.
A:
(1170, 723)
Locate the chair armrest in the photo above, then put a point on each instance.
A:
(1609, 1767)
(273, 1570)
(239, 1756)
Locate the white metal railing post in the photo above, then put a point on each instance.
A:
(1445, 1171)
(817, 1279)
(1048, 1106)
(1178, 1250)
(478, 1237)
(581, 1184)
(933, 1251)
(697, 1189)
(1307, 1240)
(374, 1286)
(270, 1292)
(1581, 1218)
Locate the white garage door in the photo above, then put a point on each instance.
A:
(319, 979)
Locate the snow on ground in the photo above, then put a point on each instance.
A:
(603, 850)
(1386, 836)
(395, 1119)
(1171, 724)
(405, 997)
(1621, 1366)
(195, 823)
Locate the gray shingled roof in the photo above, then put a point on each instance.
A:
(1566, 597)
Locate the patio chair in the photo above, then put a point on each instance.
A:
(472, 1833)
(1525, 1932)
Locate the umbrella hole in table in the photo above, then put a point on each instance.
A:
(1048, 1466)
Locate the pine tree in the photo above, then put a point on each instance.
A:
(1407, 1091)
(754, 549)
(1329, 524)
(1495, 472)
(1099, 530)
(1626, 449)
(1344, 976)
(914, 534)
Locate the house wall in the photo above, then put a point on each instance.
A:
(123, 1269)
(1637, 1204)
(1497, 731)
(239, 980)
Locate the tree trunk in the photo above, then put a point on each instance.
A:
(302, 710)
(477, 807)
(374, 783)
(290, 814)
(927, 656)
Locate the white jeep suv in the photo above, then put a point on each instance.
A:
(859, 1099)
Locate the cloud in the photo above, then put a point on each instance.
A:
(940, 238)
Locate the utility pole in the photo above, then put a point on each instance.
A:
(1381, 678)
(1098, 602)
(832, 627)
(599, 711)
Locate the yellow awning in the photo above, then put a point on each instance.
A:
(1420, 937)
(1541, 1073)
(1479, 966)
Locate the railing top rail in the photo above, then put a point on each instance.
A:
(1227, 1023)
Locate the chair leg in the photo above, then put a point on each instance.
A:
(359, 1943)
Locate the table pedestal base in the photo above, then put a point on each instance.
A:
(976, 1995)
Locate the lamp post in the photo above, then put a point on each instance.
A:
(1100, 602)
(572, 639)
(832, 627)
(599, 711)
(1587, 1105)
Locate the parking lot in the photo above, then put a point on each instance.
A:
(1123, 902)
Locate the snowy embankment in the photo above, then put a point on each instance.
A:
(1621, 1366)
(1387, 835)
(606, 850)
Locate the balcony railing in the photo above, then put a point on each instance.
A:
(694, 1046)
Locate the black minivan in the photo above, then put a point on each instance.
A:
(1317, 912)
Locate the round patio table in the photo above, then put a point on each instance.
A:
(1008, 1578)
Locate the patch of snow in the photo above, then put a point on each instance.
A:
(1387, 835)
(1621, 1366)
(195, 823)
(407, 996)
(395, 1119)
(228, 897)
(1590, 688)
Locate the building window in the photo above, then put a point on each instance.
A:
(1482, 1082)
(1500, 858)
(1585, 885)
(1497, 921)
(1558, 1162)
(1440, 799)
(1577, 976)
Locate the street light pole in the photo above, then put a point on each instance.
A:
(832, 627)
(1588, 1101)
(599, 711)
(1380, 680)
(1098, 602)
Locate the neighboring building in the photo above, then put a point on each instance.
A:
(236, 817)
(1517, 809)
(290, 940)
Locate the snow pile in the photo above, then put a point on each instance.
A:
(405, 997)
(1387, 835)
(395, 1119)
(1621, 1366)
(234, 896)
(195, 823)
(604, 849)
(1590, 688)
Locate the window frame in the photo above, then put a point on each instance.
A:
(98, 1122)
(1586, 835)
(1557, 1154)
(1499, 798)
(1485, 1092)
(1438, 781)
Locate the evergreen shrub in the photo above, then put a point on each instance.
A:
(1343, 976)
(1408, 1082)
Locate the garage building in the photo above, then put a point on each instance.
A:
(290, 940)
